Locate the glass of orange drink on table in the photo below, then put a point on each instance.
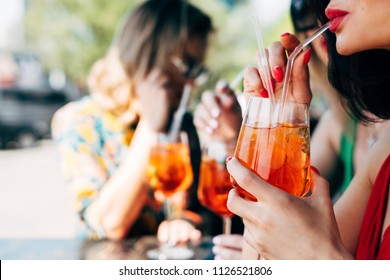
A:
(214, 182)
(169, 171)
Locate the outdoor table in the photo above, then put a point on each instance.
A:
(80, 249)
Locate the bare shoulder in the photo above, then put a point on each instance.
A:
(365, 177)
(330, 117)
(330, 127)
(377, 155)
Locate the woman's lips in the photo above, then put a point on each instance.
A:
(336, 17)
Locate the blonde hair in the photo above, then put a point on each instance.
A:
(147, 38)
(156, 31)
(111, 88)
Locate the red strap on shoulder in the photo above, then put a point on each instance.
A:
(369, 243)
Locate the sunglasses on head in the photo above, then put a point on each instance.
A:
(190, 68)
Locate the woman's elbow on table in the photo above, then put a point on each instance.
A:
(113, 229)
(118, 234)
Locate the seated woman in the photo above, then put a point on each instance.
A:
(105, 139)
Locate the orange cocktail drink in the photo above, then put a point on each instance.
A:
(169, 169)
(214, 186)
(214, 182)
(279, 152)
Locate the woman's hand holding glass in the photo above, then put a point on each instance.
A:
(281, 227)
(286, 226)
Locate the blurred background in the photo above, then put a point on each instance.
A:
(46, 51)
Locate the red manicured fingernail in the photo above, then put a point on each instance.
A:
(278, 73)
(264, 93)
(284, 34)
(315, 170)
(228, 159)
(307, 56)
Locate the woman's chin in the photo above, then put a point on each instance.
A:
(347, 46)
(344, 48)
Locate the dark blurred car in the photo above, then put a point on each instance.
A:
(25, 116)
(29, 99)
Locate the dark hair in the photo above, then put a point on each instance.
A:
(155, 31)
(362, 79)
(302, 16)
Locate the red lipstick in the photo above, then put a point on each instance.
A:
(336, 17)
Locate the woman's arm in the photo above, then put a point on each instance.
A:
(285, 226)
(108, 205)
(120, 201)
(351, 206)
(112, 204)
(288, 227)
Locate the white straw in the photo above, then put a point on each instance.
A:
(237, 79)
(290, 62)
(181, 110)
(263, 65)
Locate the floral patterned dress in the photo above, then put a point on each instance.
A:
(91, 145)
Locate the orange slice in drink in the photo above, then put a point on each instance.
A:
(295, 155)
(288, 179)
(272, 155)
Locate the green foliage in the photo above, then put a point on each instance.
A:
(234, 46)
(73, 34)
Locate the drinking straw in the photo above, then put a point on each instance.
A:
(237, 79)
(263, 64)
(290, 62)
(200, 75)
(181, 110)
